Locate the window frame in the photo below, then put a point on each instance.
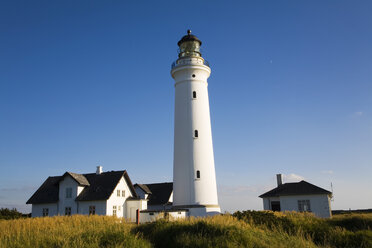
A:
(67, 211)
(304, 205)
(68, 193)
(45, 212)
(92, 210)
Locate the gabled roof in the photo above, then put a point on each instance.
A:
(97, 187)
(300, 188)
(160, 193)
(144, 188)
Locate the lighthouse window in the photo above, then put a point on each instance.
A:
(193, 75)
(198, 174)
(194, 94)
(196, 134)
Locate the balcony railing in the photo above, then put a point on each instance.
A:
(174, 64)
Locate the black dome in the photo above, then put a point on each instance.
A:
(189, 37)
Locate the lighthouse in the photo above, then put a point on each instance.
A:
(194, 178)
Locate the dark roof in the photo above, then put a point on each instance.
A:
(189, 37)
(144, 188)
(102, 185)
(97, 187)
(79, 178)
(160, 193)
(47, 193)
(300, 188)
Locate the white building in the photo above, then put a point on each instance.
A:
(102, 193)
(301, 197)
(194, 179)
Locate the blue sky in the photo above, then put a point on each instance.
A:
(87, 83)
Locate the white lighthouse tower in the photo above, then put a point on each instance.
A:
(194, 179)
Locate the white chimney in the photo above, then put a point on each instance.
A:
(279, 179)
(99, 170)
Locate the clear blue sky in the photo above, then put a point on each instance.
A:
(87, 83)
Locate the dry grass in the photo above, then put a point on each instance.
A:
(246, 229)
(75, 231)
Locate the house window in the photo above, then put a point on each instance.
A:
(196, 134)
(123, 193)
(151, 213)
(68, 211)
(194, 94)
(118, 192)
(114, 210)
(119, 208)
(45, 211)
(92, 210)
(198, 174)
(68, 192)
(304, 206)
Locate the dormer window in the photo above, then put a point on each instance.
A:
(68, 192)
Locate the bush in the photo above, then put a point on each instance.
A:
(7, 214)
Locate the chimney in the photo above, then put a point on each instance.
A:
(279, 179)
(99, 170)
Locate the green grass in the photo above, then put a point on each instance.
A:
(242, 229)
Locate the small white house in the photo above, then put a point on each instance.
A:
(101, 193)
(301, 196)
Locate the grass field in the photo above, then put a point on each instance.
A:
(242, 229)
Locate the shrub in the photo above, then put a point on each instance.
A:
(7, 214)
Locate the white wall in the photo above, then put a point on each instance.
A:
(202, 212)
(37, 209)
(131, 207)
(100, 207)
(319, 204)
(67, 182)
(117, 201)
